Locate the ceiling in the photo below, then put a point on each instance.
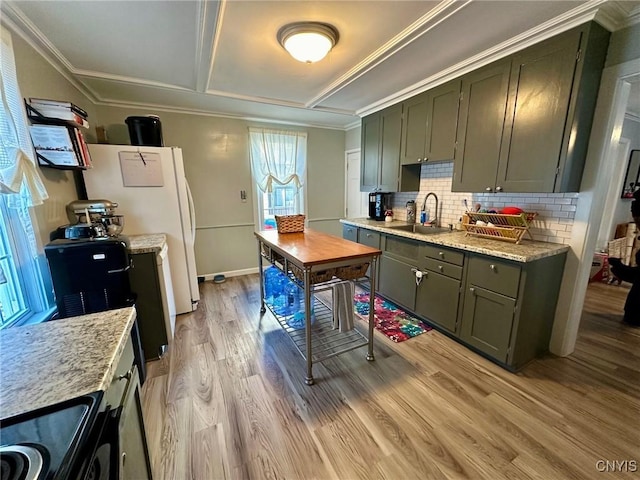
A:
(223, 58)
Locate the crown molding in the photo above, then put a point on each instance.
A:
(20, 24)
(615, 16)
(351, 126)
(579, 15)
(414, 31)
(128, 80)
(207, 113)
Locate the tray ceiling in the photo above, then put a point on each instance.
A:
(223, 57)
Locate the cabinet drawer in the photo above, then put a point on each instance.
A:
(444, 268)
(443, 254)
(402, 247)
(116, 390)
(350, 232)
(369, 238)
(495, 275)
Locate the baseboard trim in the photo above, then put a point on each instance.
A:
(232, 273)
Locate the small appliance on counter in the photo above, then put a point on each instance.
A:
(379, 203)
(411, 211)
(95, 219)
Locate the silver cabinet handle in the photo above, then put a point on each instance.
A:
(498, 189)
(369, 235)
(440, 267)
(472, 290)
(488, 189)
(492, 267)
(441, 254)
(126, 376)
(124, 458)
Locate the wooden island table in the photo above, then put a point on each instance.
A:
(316, 261)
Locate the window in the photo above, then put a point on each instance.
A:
(278, 164)
(23, 272)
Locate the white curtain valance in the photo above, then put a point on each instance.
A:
(277, 157)
(17, 165)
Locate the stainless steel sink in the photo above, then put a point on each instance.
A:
(417, 228)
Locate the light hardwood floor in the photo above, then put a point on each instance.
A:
(229, 401)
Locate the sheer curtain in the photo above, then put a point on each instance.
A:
(17, 165)
(277, 156)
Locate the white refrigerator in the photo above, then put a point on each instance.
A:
(150, 188)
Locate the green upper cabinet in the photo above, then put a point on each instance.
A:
(550, 91)
(429, 125)
(370, 153)
(442, 122)
(483, 105)
(381, 133)
(414, 129)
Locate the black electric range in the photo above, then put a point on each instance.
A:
(55, 442)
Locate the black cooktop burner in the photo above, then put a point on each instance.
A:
(50, 437)
(22, 462)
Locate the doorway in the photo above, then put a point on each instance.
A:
(355, 200)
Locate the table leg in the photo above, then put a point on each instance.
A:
(372, 297)
(307, 325)
(262, 307)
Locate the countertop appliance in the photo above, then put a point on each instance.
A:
(90, 219)
(411, 211)
(61, 441)
(378, 203)
(165, 207)
(89, 276)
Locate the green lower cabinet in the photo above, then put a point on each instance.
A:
(397, 281)
(350, 232)
(487, 321)
(437, 299)
(370, 239)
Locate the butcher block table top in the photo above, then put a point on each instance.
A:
(311, 247)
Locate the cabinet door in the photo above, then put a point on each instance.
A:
(145, 283)
(370, 153)
(487, 320)
(397, 282)
(350, 232)
(414, 129)
(442, 122)
(483, 104)
(437, 299)
(134, 454)
(539, 95)
(391, 134)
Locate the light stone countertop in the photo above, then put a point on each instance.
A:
(526, 251)
(59, 360)
(148, 243)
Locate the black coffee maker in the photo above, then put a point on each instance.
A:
(378, 203)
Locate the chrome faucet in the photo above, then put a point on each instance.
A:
(433, 222)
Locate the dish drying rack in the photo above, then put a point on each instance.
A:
(507, 227)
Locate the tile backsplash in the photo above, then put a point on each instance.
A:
(556, 211)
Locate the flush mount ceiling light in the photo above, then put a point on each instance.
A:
(308, 41)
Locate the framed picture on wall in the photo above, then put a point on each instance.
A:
(632, 177)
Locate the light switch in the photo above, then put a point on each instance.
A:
(243, 196)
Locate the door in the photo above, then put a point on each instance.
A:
(357, 201)
(483, 104)
(391, 135)
(370, 153)
(397, 282)
(437, 299)
(487, 320)
(539, 94)
(442, 122)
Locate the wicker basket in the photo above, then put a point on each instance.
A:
(290, 223)
(352, 272)
(315, 277)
